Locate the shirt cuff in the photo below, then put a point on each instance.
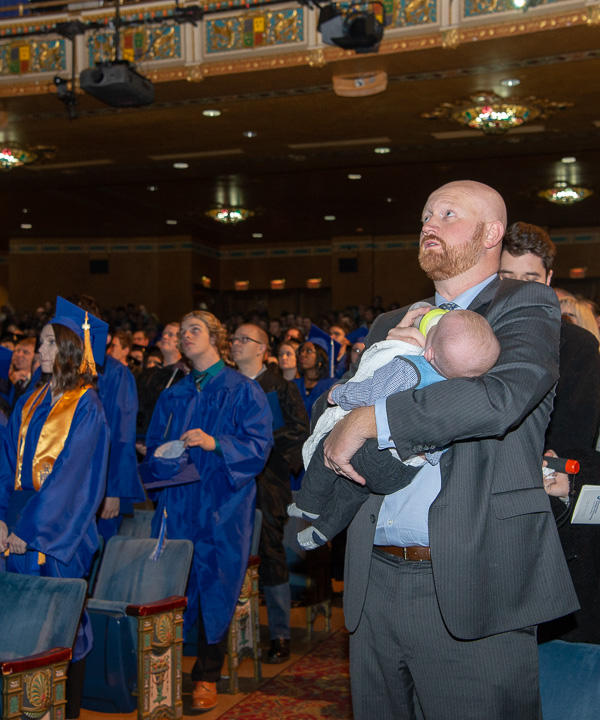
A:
(218, 449)
(383, 429)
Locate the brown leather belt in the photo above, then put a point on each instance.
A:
(416, 553)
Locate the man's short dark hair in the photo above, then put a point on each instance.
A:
(522, 238)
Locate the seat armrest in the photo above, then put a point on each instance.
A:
(171, 603)
(50, 657)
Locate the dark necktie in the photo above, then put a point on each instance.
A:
(449, 306)
(199, 379)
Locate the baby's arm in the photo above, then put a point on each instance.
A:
(395, 376)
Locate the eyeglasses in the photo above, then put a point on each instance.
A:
(244, 339)
(307, 351)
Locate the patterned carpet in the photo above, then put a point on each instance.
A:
(317, 686)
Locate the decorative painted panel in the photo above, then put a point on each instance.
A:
(410, 13)
(141, 44)
(255, 30)
(476, 8)
(18, 57)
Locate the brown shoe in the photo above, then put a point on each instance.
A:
(204, 696)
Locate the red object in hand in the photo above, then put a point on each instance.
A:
(562, 465)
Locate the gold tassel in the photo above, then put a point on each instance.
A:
(87, 361)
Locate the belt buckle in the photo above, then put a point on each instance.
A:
(404, 554)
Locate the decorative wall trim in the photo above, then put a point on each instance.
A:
(254, 252)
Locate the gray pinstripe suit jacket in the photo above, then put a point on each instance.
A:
(497, 560)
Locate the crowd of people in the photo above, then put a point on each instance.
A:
(450, 520)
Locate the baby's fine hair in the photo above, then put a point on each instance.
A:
(465, 344)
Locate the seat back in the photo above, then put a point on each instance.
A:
(38, 613)
(569, 680)
(128, 574)
(138, 526)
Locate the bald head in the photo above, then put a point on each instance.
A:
(462, 344)
(461, 239)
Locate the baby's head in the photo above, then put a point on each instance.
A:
(462, 344)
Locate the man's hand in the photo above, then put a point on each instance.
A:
(3, 536)
(348, 436)
(16, 545)
(110, 508)
(405, 331)
(557, 484)
(198, 438)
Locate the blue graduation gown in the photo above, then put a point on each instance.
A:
(59, 520)
(217, 512)
(310, 398)
(118, 393)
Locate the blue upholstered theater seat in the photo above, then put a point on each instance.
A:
(570, 680)
(127, 577)
(38, 613)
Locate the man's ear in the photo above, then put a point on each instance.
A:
(549, 276)
(493, 234)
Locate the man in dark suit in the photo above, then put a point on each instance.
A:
(528, 254)
(447, 578)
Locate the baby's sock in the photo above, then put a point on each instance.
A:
(294, 511)
(310, 538)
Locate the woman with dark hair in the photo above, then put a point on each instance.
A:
(53, 468)
(208, 439)
(313, 366)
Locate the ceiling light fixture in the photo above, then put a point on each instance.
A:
(329, 218)
(354, 176)
(26, 226)
(211, 113)
(568, 160)
(171, 222)
(494, 115)
(15, 155)
(180, 166)
(229, 215)
(510, 82)
(382, 150)
(564, 194)
(249, 134)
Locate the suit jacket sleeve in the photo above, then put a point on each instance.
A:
(576, 413)
(525, 318)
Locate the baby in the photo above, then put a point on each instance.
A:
(461, 344)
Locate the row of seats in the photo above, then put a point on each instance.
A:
(137, 610)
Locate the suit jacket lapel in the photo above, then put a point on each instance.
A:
(485, 297)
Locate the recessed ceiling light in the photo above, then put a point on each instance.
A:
(354, 176)
(257, 235)
(389, 199)
(211, 113)
(171, 222)
(568, 160)
(152, 188)
(329, 218)
(26, 226)
(382, 150)
(510, 82)
(25, 210)
(249, 134)
(181, 166)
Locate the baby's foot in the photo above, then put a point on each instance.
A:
(310, 538)
(294, 511)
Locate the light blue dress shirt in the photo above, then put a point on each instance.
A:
(403, 517)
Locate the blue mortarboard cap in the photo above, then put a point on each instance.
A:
(5, 360)
(357, 334)
(73, 317)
